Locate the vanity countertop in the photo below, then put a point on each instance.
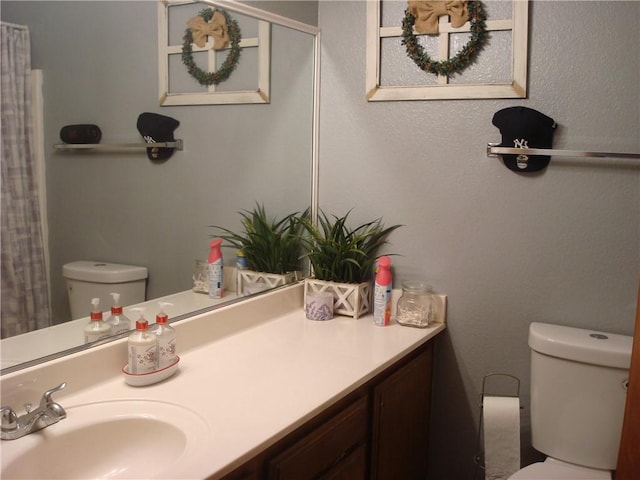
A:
(255, 386)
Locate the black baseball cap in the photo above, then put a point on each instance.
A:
(523, 127)
(157, 128)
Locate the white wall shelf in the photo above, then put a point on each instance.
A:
(177, 144)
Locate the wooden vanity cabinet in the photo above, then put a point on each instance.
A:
(380, 431)
(326, 451)
(400, 434)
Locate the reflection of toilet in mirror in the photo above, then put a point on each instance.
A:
(88, 279)
(578, 392)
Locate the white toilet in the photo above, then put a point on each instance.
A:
(578, 392)
(88, 279)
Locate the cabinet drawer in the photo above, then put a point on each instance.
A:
(324, 447)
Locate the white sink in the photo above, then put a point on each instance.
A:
(113, 439)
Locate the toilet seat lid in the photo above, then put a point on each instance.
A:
(552, 469)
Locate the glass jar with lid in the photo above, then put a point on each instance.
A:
(415, 306)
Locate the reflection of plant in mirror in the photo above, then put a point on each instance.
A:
(272, 246)
(342, 254)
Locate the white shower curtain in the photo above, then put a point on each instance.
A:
(25, 302)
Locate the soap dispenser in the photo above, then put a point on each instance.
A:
(166, 336)
(142, 347)
(97, 328)
(117, 320)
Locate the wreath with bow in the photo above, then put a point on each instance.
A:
(463, 58)
(224, 30)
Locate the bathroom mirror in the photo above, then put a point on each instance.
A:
(99, 63)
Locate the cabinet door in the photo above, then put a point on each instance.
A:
(354, 467)
(401, 405)
(326, 447)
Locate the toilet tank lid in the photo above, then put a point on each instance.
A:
(581, 345)
(103, 272)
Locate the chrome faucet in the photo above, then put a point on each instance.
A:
(47, 413)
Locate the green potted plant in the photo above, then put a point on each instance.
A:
(272, 247)
(343, 260)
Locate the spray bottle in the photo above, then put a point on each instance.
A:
(215, 269)
(382, 293)
(117, 320)
(166, 336)
(97, 328)
(142, 347)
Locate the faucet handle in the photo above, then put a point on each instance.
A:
(46, 397)
(9, 419)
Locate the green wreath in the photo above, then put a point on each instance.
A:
(463, 59)
(230, 63)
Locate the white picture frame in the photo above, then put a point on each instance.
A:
(212, 96)
(515, 88)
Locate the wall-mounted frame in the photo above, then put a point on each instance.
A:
(511, 30)
(249, 83)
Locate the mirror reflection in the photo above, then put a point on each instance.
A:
(99, 64)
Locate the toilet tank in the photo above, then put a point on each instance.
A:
(88, 279)
(578, 390)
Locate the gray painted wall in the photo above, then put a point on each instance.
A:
(561, 247)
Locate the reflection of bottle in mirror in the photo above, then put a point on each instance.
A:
(117, 320)
(166, 336)
(142, 347)
(241, 264)
(215, 269)
(97, 328)
(382, 293)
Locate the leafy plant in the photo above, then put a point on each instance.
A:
(272, 246)
(339, 253)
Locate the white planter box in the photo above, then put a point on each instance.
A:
(258, 281)
(350, 299)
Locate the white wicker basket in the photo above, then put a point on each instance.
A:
(270, 280)
(350, 299)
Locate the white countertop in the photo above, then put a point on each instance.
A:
(254, 386)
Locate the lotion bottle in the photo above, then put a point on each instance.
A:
(166, 336)
(382, 293)
(97, 328)
(215, 269)
(142, 347)
(117, 320)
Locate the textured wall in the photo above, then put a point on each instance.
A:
(560, 247)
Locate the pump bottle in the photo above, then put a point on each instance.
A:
(382, 293)
(117, 320)
(166, 336)
(215, 269)
(97, 328)
(142, 347)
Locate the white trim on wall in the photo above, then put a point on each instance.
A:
(37, 109)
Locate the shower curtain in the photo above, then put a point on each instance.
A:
(25, 301)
